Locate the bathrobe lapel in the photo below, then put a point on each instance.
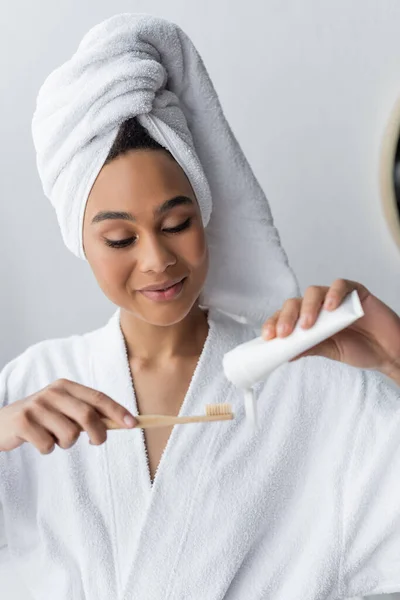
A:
(151, 521)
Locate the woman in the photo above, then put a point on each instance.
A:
(306, 507)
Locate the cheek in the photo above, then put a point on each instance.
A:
(110, 268)
(195, 251)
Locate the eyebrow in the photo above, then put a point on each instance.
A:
(126, 216)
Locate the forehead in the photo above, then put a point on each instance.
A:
(141, 175)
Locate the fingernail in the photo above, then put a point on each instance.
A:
(281, 329)
(129, 421)
(329, 303)
(304, 321)
(267, 331)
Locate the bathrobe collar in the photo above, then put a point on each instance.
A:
(175, 483)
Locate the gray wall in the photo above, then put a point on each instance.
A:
(307, 87)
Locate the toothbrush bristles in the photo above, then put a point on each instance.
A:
(218, 409)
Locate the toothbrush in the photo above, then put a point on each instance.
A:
(253, 361)
(214, 412)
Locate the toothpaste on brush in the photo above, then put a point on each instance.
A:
(253, 361)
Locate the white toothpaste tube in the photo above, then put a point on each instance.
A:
(253, 361)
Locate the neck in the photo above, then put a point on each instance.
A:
(155, 344)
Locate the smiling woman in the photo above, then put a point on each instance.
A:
(306, 507)
(144, 239)
(143, 234)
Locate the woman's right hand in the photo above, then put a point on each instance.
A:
(57, 414)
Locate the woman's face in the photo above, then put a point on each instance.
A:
(160, 239)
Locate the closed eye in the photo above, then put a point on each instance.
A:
(180, 227)
(128, 241)
(119, 243)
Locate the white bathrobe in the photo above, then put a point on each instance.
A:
(306, 508)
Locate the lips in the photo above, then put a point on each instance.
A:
(170, 293)
(161, 286)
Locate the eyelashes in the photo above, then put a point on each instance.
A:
(119, 243)
(180, 227)
(129, 241)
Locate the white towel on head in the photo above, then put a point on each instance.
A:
(144, 66)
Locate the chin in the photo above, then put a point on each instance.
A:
(160, 311)
(169, 310)
(166, 315)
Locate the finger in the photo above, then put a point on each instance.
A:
(49, 410)
(311, 306)
(288, 317)
(32, 432)
(105, 405)
(269, 327)
(67, 416)
(339, 289)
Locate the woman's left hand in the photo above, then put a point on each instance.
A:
(371, 342)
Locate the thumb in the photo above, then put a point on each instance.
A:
(327, 349)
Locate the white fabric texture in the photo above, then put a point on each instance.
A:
(308, 507)
(144, 66)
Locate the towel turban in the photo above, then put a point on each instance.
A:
(136, 65)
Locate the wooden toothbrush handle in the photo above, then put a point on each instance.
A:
(148, 421)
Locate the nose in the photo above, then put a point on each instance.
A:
(154, 256)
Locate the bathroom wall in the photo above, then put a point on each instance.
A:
(307, 87)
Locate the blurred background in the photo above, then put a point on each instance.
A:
(307, 87)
